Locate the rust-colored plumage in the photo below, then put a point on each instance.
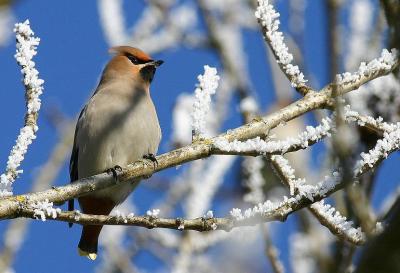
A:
(124, 50)
(117, 126)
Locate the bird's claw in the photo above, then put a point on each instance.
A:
(152, 158)
(114, 171)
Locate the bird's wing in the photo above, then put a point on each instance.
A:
(73, 163)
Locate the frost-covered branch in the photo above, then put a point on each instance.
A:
(43, 209)
(258, 146)
(200, 149)
(385, 146)
(336, 223)
(261, 213)
(268, 19)
(26, 49)
(384, 64)
(375, 124)
(198, 224)
(208, 84)
(268, 211)
(326, 214)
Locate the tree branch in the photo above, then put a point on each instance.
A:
(260, 214)
(10, 206)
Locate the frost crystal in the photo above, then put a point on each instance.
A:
(5, 186)
(258, 210)
(352, 115)
(312, 134)
(153, 213)
(122, 216)
(384, 63)
(208, 84)
(287, 171)
(237, 214)
(209, 214)
(384, 91)
(43, 209)
(342, 226)
(77, 214)
(268, 18)
(305, 191)
(383, 147)
(26, 49)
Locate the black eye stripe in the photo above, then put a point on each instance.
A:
(135, 60)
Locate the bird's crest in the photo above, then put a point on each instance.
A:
(128, 50)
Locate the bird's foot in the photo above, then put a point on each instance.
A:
(152, 158)
(145, 160)
(114, 171)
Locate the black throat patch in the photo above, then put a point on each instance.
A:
(148, 72)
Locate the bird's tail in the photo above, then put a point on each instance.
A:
(89, 241)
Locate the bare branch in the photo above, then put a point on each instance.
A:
(272, 253)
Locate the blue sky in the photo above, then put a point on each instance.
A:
(71, 56)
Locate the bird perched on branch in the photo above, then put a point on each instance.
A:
(117, 126)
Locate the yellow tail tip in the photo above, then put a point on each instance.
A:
(90, 256)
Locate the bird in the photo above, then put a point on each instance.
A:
(117, 126)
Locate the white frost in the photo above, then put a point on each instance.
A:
(208, 84)
(43, 209)
(26, 49)
(383, 147)
(268, 18)
(385, 62)
(209, 214)
(153, 213)
(342, 226)
(303, 139)
(309, 192)
(122, 215)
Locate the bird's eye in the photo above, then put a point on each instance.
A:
(133, 59)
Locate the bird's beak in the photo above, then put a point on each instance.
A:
(156, 63)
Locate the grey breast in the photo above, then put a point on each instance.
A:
(117, 129)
